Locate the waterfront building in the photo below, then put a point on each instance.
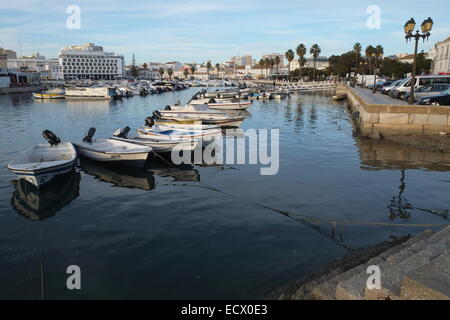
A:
(406, 59)
(54, 69)
(3, 61)
(441, 61)
(174, 65)
(33, 63)
(89, 61)
(321, 63)
(10, 54)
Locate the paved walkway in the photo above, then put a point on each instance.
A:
(377, 98)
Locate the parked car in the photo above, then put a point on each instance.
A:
(393, 85)
(429, 90)
(421, 80)
(380, 85)
(442, 99)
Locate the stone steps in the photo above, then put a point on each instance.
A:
(327, 290)
(394, 266)
(430, 282)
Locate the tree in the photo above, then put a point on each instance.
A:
(277, 62)
(301, 51)
(369, 51)
(144, 66)
(208, 67)
(357, 50)
(217, 68)
(192, 69)
(271, 64)
(289, 57)
(161, 72)
(315, 51)
(186, 73)
(170, 73)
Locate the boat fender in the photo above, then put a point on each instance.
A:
(51, 137)
(169, 108)
(88, 136)
(149, 122)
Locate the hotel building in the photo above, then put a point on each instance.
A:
(89, 61)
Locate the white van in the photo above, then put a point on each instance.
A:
(401, 90)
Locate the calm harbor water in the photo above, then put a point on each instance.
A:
(164, 233)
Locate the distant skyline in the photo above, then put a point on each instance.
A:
(197, 31)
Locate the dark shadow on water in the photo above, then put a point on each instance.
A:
(39, 204)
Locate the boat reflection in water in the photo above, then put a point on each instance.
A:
(138, 178)
(119, 175)
(39, 204)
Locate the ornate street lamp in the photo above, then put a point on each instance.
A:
(376, 55)
(425, 27)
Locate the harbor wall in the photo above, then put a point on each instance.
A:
(20, 89)
(374, 120)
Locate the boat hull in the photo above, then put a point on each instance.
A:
(161, 146)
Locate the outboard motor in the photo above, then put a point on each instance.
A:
(88, 136)
(169, 108)
(156, 115)
(149, 122)
(212, 100)
(122, 133)
(51, 137)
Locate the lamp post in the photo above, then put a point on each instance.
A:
(426, 27)
(376, 55)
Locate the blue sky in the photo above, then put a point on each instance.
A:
(199, 30)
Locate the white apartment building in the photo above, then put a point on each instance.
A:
(321, 63)
(174, 65)
(54, 69)
(441, 62)
(33, 63)
(89, 61)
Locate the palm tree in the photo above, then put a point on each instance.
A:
(271, 63)
(301, 51)
(277, 61)
(315, 51)
(289, 57)
(267, 65)
(208, 66)
(217, 68)
(192, 69)
(186, 73)
(369, 51)
(357, 49)
(144, 66)
(161, 72)
(170, 73)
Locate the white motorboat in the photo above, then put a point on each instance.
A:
(220, 119)
(240, 105)
(155, 133)
(156, 145)
(43, 162)
(197, 110)
(112, 150)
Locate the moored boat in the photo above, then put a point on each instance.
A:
(43, 162)
(111, 150)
